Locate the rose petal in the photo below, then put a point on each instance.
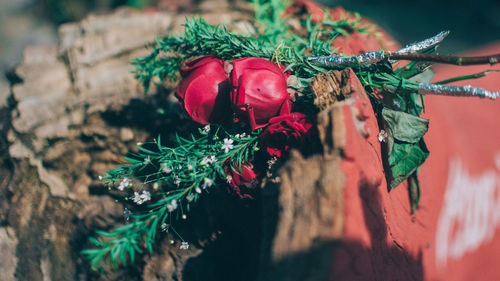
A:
(284, 132)
(259, 90)
(204, 91)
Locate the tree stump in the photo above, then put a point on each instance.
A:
(75, 109)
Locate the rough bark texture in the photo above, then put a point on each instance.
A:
(71, 114)
(310, 201)
(329, 87)
(75, 109)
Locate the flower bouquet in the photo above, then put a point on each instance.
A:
(255, 97)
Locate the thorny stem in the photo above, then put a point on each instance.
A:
(456, 60)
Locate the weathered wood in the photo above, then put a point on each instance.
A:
(78, 109)
(308, 203)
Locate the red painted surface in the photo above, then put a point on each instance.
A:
(465, 131)
(367, 251)
(453, 234)
(460, 204)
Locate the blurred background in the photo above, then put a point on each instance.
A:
(472, 22)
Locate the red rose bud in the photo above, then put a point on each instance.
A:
(259, 91)
(285, 132)
(243, 180)
(204, 90)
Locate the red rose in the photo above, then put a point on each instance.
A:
(204, 90)
(285, 132)
(259, 91)
(243, 181)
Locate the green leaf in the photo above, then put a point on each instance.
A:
(405, 127)
(145, 150)
(404, 160)
(90, 251)
(96, 242)
(414, 191)
(131, 252)
(132, 160)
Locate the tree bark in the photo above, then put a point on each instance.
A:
(76, 109)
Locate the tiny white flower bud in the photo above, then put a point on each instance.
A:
(184, 246)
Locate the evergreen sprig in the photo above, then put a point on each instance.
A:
(269, 18)
(276, 43)
(170, 179)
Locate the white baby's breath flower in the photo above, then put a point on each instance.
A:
(137, 198)
(165, 168)
(177, 181)
(207, 183)
(204, 161)
(206, 129)
(147, 160)
(141, 198)
(184, 217)
(124, 183)
(184, 246)
(190, 197)
(229, 179)
(237, 135)
(121, 187)
(145, 196)
(382, 136)
(198, 190)
(100, 178)
(172, 205)
(228, 145)
(208, 160)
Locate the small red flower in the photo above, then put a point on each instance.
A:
(285, 132)
(204, 90)
(243, 180)
(259, 91)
